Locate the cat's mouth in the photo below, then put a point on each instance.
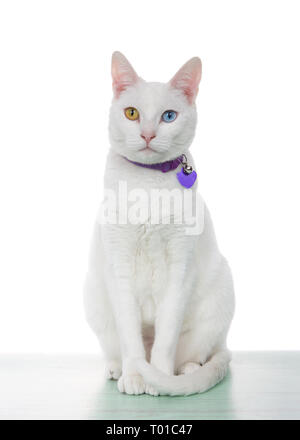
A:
(148, 149)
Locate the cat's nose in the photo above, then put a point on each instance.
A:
(148, 137)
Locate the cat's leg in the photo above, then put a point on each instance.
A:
(106, 333)
(171, 309)
(128, 319)
(127, 313)
(208, 320)
(191, 351)
(100, 318)
(194, 350)
(98, 310)
(121, 246)
(109, 341)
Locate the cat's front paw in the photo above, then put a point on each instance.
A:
(131, 384)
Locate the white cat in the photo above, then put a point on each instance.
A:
(159, 300)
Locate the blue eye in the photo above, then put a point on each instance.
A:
(169, 116)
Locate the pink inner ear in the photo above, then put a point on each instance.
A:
(187, 79)
(119, 85)
(123, 74)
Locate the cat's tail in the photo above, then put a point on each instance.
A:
(206, 377)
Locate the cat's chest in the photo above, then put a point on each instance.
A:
(151, 259)
(151, 270)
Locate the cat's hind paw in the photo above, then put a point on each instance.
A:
(113, 370)
(131, 384)
(150, 390)
(188, 368)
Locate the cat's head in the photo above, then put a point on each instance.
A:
(153, 122)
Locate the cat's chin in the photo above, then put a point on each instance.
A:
(147, 156)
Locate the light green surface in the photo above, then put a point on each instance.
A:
(260, 385)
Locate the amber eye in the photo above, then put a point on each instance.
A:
(131, 113)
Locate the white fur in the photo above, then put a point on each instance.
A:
(154, 278)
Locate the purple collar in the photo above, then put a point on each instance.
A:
(186, 177)
(164, 167)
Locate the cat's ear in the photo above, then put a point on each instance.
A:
(187, 78)
(123, 74)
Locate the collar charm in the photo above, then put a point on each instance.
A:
(186, 176)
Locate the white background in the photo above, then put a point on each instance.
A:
(55, 92)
